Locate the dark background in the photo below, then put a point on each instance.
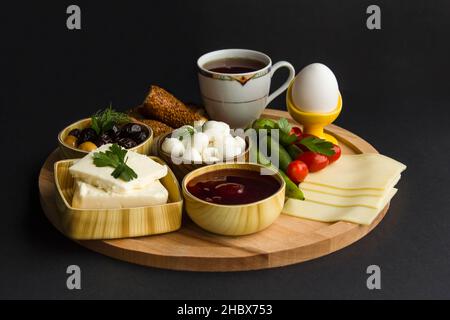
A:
(395, 87)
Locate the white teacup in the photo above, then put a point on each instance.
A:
(238, 98)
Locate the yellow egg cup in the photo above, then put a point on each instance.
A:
(313, 123)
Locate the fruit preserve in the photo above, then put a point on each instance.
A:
(233, 186)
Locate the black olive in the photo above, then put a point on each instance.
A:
(127, 143)
(75, 133)
(114, 132)
(131, 129)
(144, 129)
(104, 139)
(141, 136)
(87, 134)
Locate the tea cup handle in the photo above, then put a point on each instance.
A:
(285, 85)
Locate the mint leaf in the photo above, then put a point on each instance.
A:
(318, 145)
(284, 126)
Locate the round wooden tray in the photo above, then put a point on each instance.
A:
(289, 240)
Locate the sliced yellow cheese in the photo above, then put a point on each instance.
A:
(375, 202)
(360, 171)
(329, 213)
(305, 186)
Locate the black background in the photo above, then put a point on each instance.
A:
(395, 86)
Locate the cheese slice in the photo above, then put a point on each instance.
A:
(330, 213)
(146, 169)
(360, 171)
(305, 187)
(87, 196)
(375, 202)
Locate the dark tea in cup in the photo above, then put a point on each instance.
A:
(234, 65)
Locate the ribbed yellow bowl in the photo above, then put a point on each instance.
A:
(68, 152)
(85, 224)
(233, 220)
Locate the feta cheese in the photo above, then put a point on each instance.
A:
(146, 169)
(87, 196)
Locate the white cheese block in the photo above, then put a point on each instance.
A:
(329, 213)
(87, 196)
(375, 202)
(146, 169)
(347, 192)
(360, 171)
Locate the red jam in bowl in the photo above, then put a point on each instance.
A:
(233, 186)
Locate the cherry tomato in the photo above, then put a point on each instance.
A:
(314, 161)
(297, 171)
(298, 132)
(336, 155)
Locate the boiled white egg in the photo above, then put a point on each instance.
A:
(315, 89)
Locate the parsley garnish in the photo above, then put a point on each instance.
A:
(115, 157)
(103, 121)
(318, 145)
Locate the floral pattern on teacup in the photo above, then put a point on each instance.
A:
(242, 79)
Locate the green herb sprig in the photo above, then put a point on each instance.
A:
(115, 157)
(285, 136)
(284, 126)
(181, 133)
(318, 145)
(104, 120)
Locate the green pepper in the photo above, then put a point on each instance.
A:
(293, 151)
(283, 156)
(292, 190)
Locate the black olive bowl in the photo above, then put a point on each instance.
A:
(69, 152)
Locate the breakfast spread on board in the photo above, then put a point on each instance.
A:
(238, 170)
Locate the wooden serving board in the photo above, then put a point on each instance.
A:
(287, 241)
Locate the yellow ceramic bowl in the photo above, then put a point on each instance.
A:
(89, 224)
(233, 220)
(68, 152)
